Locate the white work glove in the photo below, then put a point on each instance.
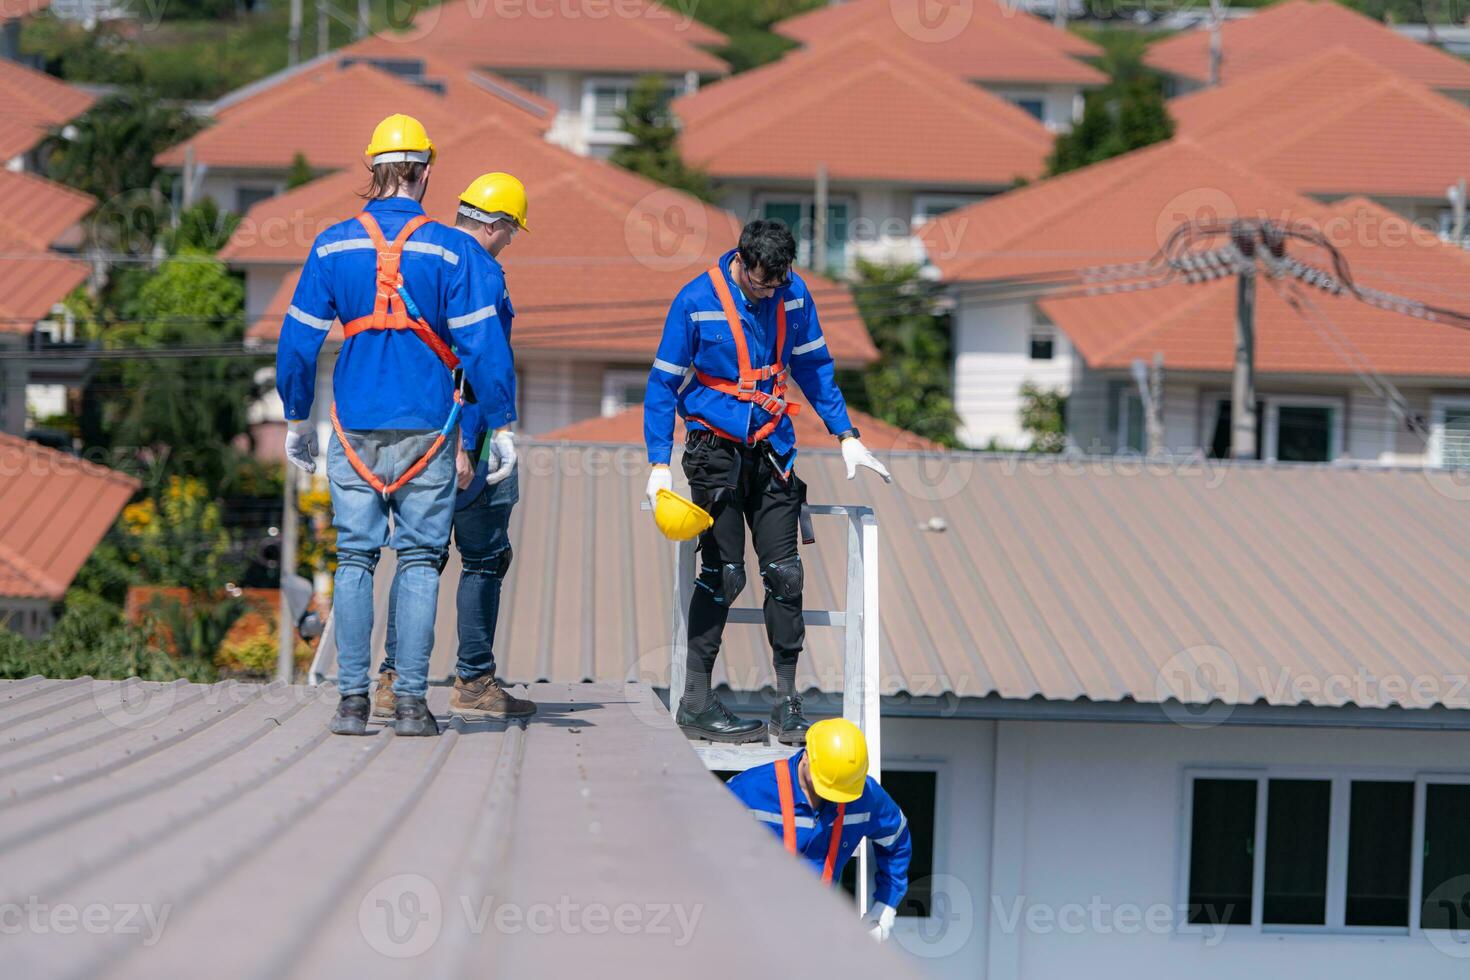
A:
(301, 448)
(855, 454)
(880, 917)
(503, 452)
(662, 478)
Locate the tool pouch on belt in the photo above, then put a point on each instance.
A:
(804, 517)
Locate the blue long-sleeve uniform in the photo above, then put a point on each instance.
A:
(390, 379)
(873, 815)
(473, 424)
(696, 335)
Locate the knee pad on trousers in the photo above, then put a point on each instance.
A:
(724, 582)
(413, 557)
(368, 560)
(497, 564)
(783, 579)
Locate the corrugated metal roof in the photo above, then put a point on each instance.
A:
(1098, 579)
(193, 830)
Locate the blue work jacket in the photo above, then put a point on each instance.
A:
(873, 815)
(696, 335)
(390, 379)
(473, 426)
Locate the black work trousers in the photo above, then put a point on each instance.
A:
(739, 486)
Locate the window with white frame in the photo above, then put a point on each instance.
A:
(535, 84)
(622, 388)
(927, 207)
(1041, 342)
(1337, 851)
(1450, 432)
(1033, 104)
(604, 98)
(1131, 431)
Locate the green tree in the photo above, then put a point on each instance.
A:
(1044, 417)
(1126, 114)
(910, 385)
(300, 172)
(202, 227)
(109, 150)
(747, 23)
(654, 152)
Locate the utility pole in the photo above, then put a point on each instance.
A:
(1243, 387)
(1150, 381)
(1217, 43)
(286, 652)
(1059, 14)
(323, 29)
(363, 20)
(1456, 194)
(293, 35)
(819, 223)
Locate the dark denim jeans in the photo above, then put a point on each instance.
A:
(482, 534)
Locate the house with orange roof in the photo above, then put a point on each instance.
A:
(995, 44)
(54, 508)
(1324, 362)
(1295, 29)
(39, 235)
(592, 281)
(1338, 124)
(584, 58)
(31, 104)
(900, 142)
(322, 112)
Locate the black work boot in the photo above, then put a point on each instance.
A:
(718, 724)
(352, 715)
(412, 717)
(787, 722)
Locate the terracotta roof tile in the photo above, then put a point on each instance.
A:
(863, 123)
(626, 427)
(37, 211)
(995, 43)
(31, 102)
(54, 509)
(1298, 29)
(327, 114)
(1335, 123)
(20, 9)
(608, 252)
(628, 36)
(34, 214)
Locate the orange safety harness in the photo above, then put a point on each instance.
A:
(744, 388)
(394, 310)
(788, 821)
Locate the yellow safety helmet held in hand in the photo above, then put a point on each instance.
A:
(401, 139)
(838, 756)
(493, 196)
(678, 518)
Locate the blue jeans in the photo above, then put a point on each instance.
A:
(422, 512)
(482, 534)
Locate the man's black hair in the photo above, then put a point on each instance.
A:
(768, 246)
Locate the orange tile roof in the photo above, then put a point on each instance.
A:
(626, 427)
(34, 214)
(627, 36)
(865, 105)
(36, 211)
(1194, 326)
(32, 102)
(54, 508)
(607, 253)
(20, 9)
(1297, 29)
(327, 114)
(1335, 123)
(987, 41)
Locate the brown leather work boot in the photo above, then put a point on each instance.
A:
(384, 703)
(483, 697)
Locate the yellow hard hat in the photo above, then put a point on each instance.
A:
(838, 756)
(678, 518)
(401, 139)
(493, 196)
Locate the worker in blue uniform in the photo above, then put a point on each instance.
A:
(416, 301)
(492, 211)
(822, 803)
(732, 338)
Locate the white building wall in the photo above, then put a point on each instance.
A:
(1085, 821)
(992, 361)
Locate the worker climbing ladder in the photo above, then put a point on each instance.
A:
(859, 622)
